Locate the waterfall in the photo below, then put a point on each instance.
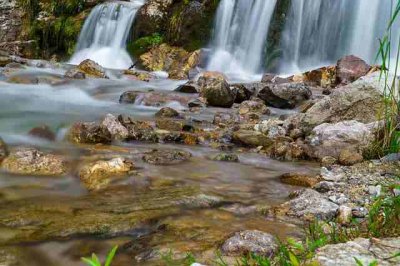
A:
(104, 35)
(241, 30)
(319, 32)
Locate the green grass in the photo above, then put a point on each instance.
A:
(94, 260)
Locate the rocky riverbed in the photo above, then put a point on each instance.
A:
(92, 157)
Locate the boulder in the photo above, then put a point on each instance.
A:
(28, 161)
(350, 68)
(166, 157)
(138, 75)
(88, 133)
(110, 126)
(167, 112)
(350, 157)
(309, 204)
(284, 96)
(367, 251)
(273, 128)
(242, 92)
(138, 130)
(3, 150)
(272, 78)
(130, 97)
(88, 68)
(248, 242)
(99, 174)
(189, 87)
(324, 77)
(253, 106)
(331, 139)
(360, 101)
(252, 138)
(215, 89)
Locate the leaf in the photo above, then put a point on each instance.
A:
(96, 259)
(359, 263)
(293, 259)
(89, 262)
(110, 256)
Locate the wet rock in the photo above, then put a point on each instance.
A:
(138, 75)
(167, 112)
(110, 126)
(23, 79)
(272, 78)
(285, 149)
(242, 93)
(257, 107)
(166, 157)
(252, 138)
(89, 68)
(285, 96)
(250, 241)
(99, 174)
(43, 132)
(27, 161)
(189, 87)
(351, 68)
(215, 89)
(197, 103)
(296, 179)
(88, 133)
(360, 101)
(138, 130)
(130, 97)
(324, 77)
(158, 99)
(365, 250)
(225, 119)
(328, 161)
(3, 150)
(170, 124)
(350, 157)
(226, 157)
(344, 215)
(331, 139)
(5, 60)
(273, 128)
(309, 204)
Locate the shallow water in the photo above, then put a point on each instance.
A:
(55, 219)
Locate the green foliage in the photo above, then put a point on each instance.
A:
(168, 259)
(359, 263)
(144, 44)
(94, 260)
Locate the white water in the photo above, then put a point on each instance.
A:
(319, 32)
(240, 34)
(105, 33)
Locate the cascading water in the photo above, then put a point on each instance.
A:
(240, 34)
(319, 32)
(105, 33)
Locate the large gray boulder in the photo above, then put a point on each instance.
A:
(215, 89)
(286, 95)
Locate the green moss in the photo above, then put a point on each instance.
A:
(144, 44)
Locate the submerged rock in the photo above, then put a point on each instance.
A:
(252, 138)
(226, 157)
(3, 150)
(285, 96)
(367, 251)
(296, 179)
(99, 174)
(166, 157)
(87, 68)
(28, 161)
(250, 241)
(215, 89)
(351, 68)
(130, 97)
(43, 132)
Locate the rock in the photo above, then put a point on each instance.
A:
(257, 107)
(99, 174)
(296, 179)
(351, 68)
(252, 138)
(360, 101)
(248, 242)
(215, 89)
(43, 132)
(285, 96)
(328, 161)
(138, 130)
(349, 157)
(189, 87)
(27, 161)
(138, 75)
(166, 157)
(310, 204)
(391, 158)
(197, 103)
(242, 92)
(130, 97)
(226, 157)
(89, 68)
(5, 60)
(324, 77)
(272, 78)
(273, 128)
(3, 150)
(110, 126)
(225, 119)
(331, 139)
(345, 215)
(170, 124)
(365, 250)
(176, 61)
(88, 133)
(167, 112)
